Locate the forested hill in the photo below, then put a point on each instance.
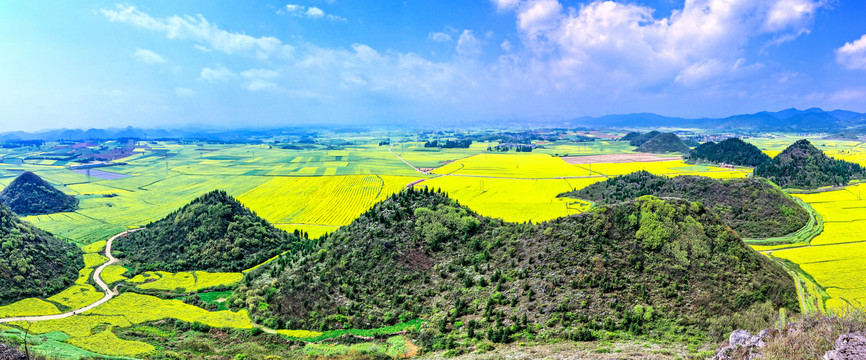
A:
(32, 262)
(730, 151)
(753, 207)
(803, 166)
(214, 233)
(664, 143)
(637, 139)
(630, 267)
(29, 194)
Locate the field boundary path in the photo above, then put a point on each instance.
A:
(109, 294)
(390, 149)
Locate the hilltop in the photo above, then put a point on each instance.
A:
(32, 262)
(753, 207)
(637, 139)
(29, 194)
(634, 267)
(730, 151)
(803, 166)
(664, 143)
(213, 233)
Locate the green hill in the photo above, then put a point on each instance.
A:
(629, 136)
(28, 194)
(730, 151)
(213, 233)
(639, 139)
(664, 143)
(803, 166)
(635, 267)
(753, 207)
(32, 262)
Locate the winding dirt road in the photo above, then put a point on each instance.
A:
(96, 277)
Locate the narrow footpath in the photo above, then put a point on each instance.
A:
(109, 294)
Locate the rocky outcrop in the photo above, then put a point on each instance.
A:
(743, 345)
(9, 353)
(848, 347)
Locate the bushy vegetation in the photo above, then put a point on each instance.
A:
(803, 166)
(28, 194)
(637, 139)
(730, 151)
(32, 262)
(212, 233)
(636, 267)
(629, 136)
(753, 207)
(664, 143)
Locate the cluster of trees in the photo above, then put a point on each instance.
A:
(508, 147)
(421, 254)
(731, 151)
(29, 194)
(449, 144)
(803, 166)
(753, 207)
(32, 262)
(637, 139)
(214, 233)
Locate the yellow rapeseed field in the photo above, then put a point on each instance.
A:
(139, 308)
(187, 281)
(107, 343)
(513, 165)
(28, 307)
(77, 296)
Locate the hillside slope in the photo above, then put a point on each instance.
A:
(29, 194)
(730, 151)
(753, 207)
(420, 254)
(32, 262)
(803, 166)
(664, 143)
(637, 139)
(213, 232)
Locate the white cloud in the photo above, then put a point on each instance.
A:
(260, 73)
(505, 45)
(217, 74)
(260, 85)
(852, 55)
(439, 37)
(468, 44)
(184, 92)
(635, 49)
(505, 4)
(198, 29)
(148, 57)
(311, 12)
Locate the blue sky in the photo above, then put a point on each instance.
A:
(66, 64)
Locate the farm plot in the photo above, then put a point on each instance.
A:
(837, 268)
(530, 166)
(333, 200)
(185, 281)
(515, 200)
(668, 168)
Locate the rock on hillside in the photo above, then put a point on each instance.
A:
(29, 194)
(32, 262)
(627, 267)
(213, 233)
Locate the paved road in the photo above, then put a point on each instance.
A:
(96, 276)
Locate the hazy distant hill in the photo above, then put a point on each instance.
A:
(803, 166)
(32, 262)
(29, 194)
(634, 267)
(639, 139)
(813, 119)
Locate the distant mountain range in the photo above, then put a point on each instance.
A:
(789, 120)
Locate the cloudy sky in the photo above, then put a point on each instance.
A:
(78, 64)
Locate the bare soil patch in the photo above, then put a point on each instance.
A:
(619, 158)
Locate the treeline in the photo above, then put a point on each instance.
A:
(449, 144)
(731, 151)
